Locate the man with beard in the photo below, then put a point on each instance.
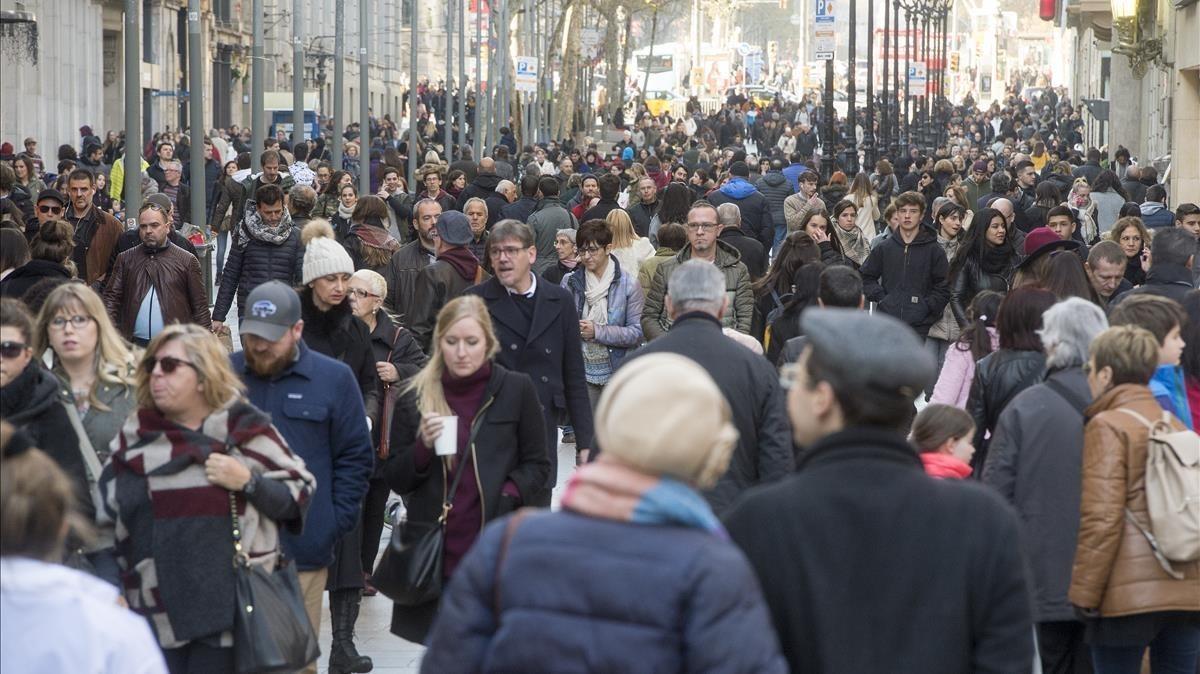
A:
(407, 263)
(96, 232)
(267, 247)
(455, 270)
(316, 404)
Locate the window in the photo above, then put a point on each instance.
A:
(149, 32)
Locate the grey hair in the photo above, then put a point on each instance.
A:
(1068, 328)
(505, 185)
(533, 169)
(696, 285)
(729, 215)
(172, 164)
(302, 199)
(567, 232)
(476, 200)
(508, 230)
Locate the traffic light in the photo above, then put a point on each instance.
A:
(954, 62)
(1048, 9)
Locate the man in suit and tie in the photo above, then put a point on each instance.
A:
(538, 330)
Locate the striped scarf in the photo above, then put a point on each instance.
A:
(612, 491)
(173, 529)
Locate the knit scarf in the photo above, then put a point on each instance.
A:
(377, 237)
(995, 259)
(462, 260)
(610, 491)
(343, 211)
(854, 244)
(257, 229)
(597, 365)
(181, 576)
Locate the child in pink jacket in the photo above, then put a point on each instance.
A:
(978, 340)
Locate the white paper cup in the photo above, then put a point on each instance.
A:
(447, 443)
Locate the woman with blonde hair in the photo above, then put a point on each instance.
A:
(629, 248)
(498, 460)
(91, 359)
(196, 473)
(41, 600)
(1134, 239)
(866, 204)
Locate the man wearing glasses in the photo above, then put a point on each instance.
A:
(156, 283)
(703, 230)
(96, 232)
(51, 205)
(537, 328)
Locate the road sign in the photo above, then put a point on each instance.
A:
(824, 38)
(526, 78)
(589, 40)
(917, 78)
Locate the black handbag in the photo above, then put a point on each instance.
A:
(410, 571)
(271, 630)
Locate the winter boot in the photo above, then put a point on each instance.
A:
(343, 613)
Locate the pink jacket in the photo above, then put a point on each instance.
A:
(958, 371)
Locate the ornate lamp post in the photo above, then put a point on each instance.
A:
(1129, 16)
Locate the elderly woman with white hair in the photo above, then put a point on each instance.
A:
(1034, 461)
(636, 557)
(397, 358)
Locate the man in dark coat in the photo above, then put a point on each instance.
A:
(484, 184)
(455, 270)
(538, 331)
(406, 264)
(1034, 461)
(696, 301)
(860, 554)
(756, 210)
(266, 247)
(609, 186)
(906, 273)
(751, 249)
(643, 212)
(1172, 254)
(522, 208)
(776, 188)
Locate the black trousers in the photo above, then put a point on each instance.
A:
(1062, 649)
(372, 521)
(199, 658)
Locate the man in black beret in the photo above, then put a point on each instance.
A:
(860, 554)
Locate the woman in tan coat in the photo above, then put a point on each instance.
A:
(1130, 599)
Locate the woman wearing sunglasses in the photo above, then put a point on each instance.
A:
(90, 359)
(195, 449)
(49, 252)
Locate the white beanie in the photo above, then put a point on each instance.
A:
(323, 255)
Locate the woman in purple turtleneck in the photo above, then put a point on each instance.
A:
(501, 442)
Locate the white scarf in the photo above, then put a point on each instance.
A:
(596, 294)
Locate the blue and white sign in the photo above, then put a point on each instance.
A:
(526, 74)
(918, 78)
(824, 38)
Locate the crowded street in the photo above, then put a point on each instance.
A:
(555, 336)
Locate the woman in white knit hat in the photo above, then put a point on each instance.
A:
(635, 573)
(331, 329)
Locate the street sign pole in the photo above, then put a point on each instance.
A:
(133, 116)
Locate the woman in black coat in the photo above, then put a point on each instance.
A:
(986, 260)
(1018, 364)
(500, 449)
(397, 358)
(49, 252)
(331, 329)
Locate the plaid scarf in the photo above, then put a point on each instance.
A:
(173, 529)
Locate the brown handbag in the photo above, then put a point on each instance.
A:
(389, 404)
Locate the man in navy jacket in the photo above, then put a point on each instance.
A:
(316, 403)
(538, 331)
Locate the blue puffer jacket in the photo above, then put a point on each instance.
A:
(581, 594)
(623, 332)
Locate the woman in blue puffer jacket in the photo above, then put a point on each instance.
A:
(635, 573)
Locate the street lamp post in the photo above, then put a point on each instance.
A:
(827, 144)
(884, 128)
(297, 76)
(257, 116)
(339, 81)
(869, 132)
(447, 99)
(851, 122)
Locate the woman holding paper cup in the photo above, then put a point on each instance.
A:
(463, 412)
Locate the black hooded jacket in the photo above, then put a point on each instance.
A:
(909, 280)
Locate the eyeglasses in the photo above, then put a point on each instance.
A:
(507, 251)
(590, 250)
(12, 349)
(168, 363)
(51, 209)
(77, 322)
(360, 293)
(698, 226)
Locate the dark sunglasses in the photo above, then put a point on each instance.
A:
(168, 363)
(51, 209)
(12, 349)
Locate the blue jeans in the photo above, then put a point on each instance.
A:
(1174, 650)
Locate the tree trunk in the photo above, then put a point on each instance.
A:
(568, 84)
(613, 82)
(625, 54)
(650, 54)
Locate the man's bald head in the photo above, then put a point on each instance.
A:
(1005, 207)
(487, 165)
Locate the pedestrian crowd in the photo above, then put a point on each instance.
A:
(933, 415)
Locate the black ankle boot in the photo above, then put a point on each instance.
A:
(343, 656)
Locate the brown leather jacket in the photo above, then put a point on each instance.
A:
(105, 232)
(175, 275)
(1115, 570)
